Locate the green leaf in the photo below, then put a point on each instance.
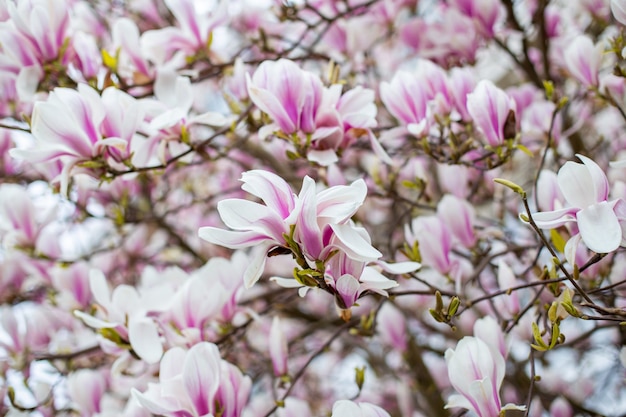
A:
(557, 240)
(524, 149)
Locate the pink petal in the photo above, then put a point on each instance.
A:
(347, 288)
(201, 376)
(489, 107)
(308, 231)
(230, 239)
(270, 104)
(246, 215)
(272, 189)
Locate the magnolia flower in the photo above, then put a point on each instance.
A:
(406, 98)
(170, 120)
(484, 12)
(347, 408)
(490, 108)
(301, 107)
(586, 191)
(75, 126)
(583, 60)
(460, 217)
(320, 221)
(196, 383)
(288, 94)
(86, 388)
(435, 242)
(476, 372)
(193, 34)
(392, 327)
(125, 310)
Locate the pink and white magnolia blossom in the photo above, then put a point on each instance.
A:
(450, 38)
(288, 94)
(301, 107)
(406, 99)
(170, 119)
(476, 372)
(77, 126)
(460, 217)
(192, 36)
(435, 242)
(392, 327)
(19, 225)
(583, 60)
(320, 221)
(484, 12)
(130, 59)
(43, 23)
(126, 311)
(586, 192)
(196, 383)
(86, 388)
(347, 408)
(489, 107)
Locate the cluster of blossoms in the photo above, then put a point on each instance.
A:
(357, 208)
(314, 227)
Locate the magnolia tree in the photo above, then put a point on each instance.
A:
(313, 208)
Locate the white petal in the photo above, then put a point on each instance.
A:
(286, 282)
(399, 267)
(256, 266)
(99, 288)
(346, 408)
(144, 337)
(353, 244)
(230, 239)
(94, 322)
(324, 158)
(554, 219)
(599, 227)
(458, 401)
(576, 184)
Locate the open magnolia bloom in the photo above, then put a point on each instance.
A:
(476, 373)
(196, 382)
(586, 191)
(311, 225)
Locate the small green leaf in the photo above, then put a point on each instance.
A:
(538, 338)
(548, 87)
(524, 149)
(557, 240)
